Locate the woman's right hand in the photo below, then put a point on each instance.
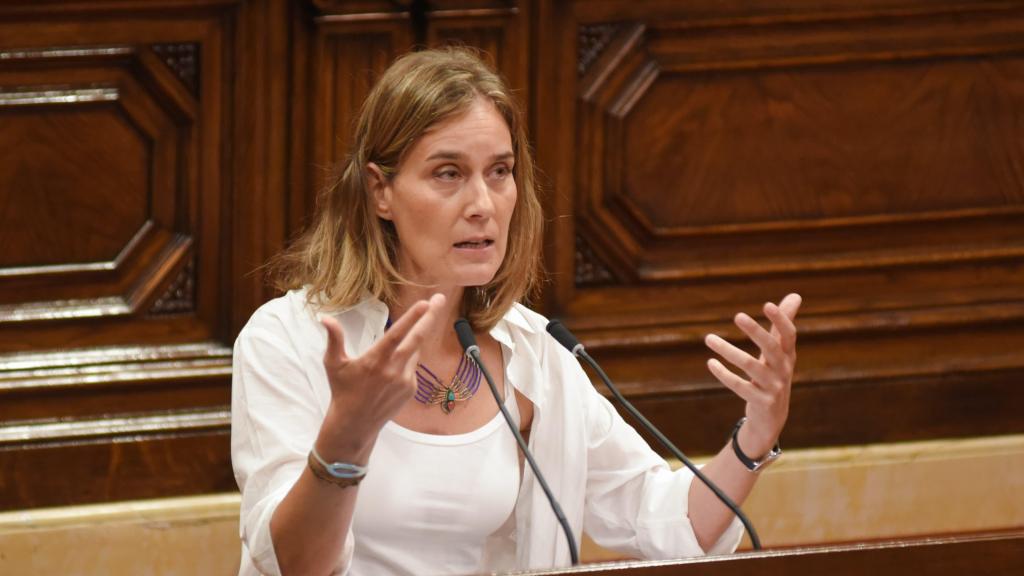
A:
(369, 390)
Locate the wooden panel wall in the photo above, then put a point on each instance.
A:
(343, 46)
(714, 155)
(699, 157)
(135, 156)
(153, 154)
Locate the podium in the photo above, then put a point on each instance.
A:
(995, 554)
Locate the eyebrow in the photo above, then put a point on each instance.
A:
(450, 155)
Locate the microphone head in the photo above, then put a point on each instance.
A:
(465, 334)
(560, 333)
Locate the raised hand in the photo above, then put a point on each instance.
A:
(769, 377)
(369, 390)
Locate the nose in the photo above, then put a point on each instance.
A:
(480, 203)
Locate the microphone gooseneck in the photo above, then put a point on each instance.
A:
(572, 344)
(564, 337)
(464, 332)
(468, 342)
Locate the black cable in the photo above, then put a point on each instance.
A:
(468, 342)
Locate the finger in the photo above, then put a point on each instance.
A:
(409, 370)
(738, 358)
(790, 305)
(770, 347)
(397, 332)
(424, 324)
(335, 352)
(743, 388)
(782, 327)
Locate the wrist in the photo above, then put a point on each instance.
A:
(751, 462)
(753, 442)
(344, 439)
(340, 474)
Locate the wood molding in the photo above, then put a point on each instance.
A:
(593, 39)
(180, 294)
(130, 272)
(590, 271)
(53, 462)
(101, 261)
(55, 433)
(43, 95)
(91, 382)
(183, 59)
(134, 466)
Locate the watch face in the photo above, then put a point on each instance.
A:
(772, 456)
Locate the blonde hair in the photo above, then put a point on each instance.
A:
(349, 251)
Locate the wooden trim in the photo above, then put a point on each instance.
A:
(134, 427)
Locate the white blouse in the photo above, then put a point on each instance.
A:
(608, 481)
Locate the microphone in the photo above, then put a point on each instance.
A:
(572, 344)
(468, 341)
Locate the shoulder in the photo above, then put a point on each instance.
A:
(534, 327)
(525, 327)
(533, 345)
(526, 319)
(282, 316)
(292, 322)
(550, 375)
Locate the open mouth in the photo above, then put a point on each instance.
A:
(474, 244)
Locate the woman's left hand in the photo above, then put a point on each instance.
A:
(770, 376)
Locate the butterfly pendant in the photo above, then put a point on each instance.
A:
(447, 396)
(430, 390)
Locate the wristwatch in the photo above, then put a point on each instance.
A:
(341, 474)
(753, 465)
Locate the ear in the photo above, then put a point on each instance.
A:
(380, 189)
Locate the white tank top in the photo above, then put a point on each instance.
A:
(430, 502)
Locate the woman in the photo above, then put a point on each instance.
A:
(359, 440)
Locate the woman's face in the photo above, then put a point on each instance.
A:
(452, 199)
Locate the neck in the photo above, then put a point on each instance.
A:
(443, 339)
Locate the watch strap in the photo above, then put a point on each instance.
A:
(751, 464)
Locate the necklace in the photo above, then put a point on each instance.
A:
(430, 390)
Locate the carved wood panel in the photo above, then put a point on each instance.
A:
(114, 337)
(498, 28)
(699, 157)
(350, 45)
(712, 157)
(152, 156)
(347, 58)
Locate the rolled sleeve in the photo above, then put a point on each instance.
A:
(666, 531)
(636, 504)
(729, 540)
(275, 417)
